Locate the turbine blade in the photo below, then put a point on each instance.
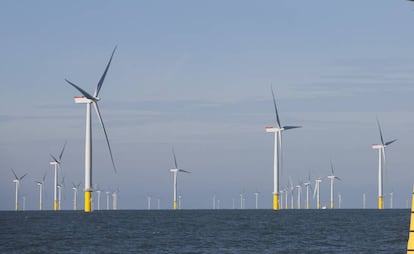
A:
(332, 168)
(338, 178)
(95, 104)
(98, 87)
(383, 153)
(61, 170)
(390, 142)
(61, 153)
(44, 176)
(276, 112)
(291, 127)
(380, 131)
(175, 159)
(185, 171)
(87, 95)
(22, 176)
(53, 157)
(14, 173)
(314, 191)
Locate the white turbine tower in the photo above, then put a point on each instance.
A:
(281, 198)
(149, 202)
(41, 183)
(60, 189)
(277, 152)
(391, 199)
(299, 187)
(291, 189)
(98, 190)
(107, 200)
(332, 177)
(317, 193)
(286, 198)
(307, 184)
(17, 182)
(56, 163)
(175, 172)
(364, 199)
(339, 200)
(256, 195)
(75, 189)
(88, 99)
(381, 159)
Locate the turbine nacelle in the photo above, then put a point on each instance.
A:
(378, 146)
(53, 162)
(273, 129)
(82, 100)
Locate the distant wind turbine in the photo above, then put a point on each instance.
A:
(332, 177)
(339, 200)
(149, 202)
(60, 189)
(317, 192)
(17, 182)
(88, 99)
(41, 183)
(107, 199)
(98, 190)
(75, 189)
(391, 199)
(307, 184)
(56, 163)
(277, 152)
(115, 199)
(175, 172)
(381, 159)
(364, 199)
(299, 187)
(256, 194)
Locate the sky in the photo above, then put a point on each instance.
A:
(196, 76)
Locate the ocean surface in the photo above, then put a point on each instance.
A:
(205, 231)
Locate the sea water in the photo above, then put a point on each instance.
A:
(205, 231)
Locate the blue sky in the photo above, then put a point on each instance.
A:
(196, 75)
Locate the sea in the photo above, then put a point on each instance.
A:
(206, 231)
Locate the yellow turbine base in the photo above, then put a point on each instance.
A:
(175, 205)
(332, 205)
(410, 245)
(88, 201)
(380, 203)
(275, 201)
(17, 206)
(55, 205)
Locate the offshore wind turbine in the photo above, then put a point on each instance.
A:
(332, 177)
(277, 152)
(317, 193)
(391, 199)
(175, 172)
(89, 100)
(339, 200)
(381, 159)
(98, 190)
(17, 182)
(75, 189)
(60, 189)
(307, 184)
(107, 200)
(41, 183)
(299, 186)
(56, 163)
(256, 194)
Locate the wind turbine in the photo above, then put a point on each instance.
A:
(339, 200)
(115, 199)
(88, 99)
(299, 186)
(256, 194)
(281, 198)
(40, 183)
(60, 189)
(307, 184)
(292, 189)
(75, 195)
(364, 199)
(107, 200)
(277, 152)
(17, 182)
(98, 190)
(391, 199)
(175, 172)
(149, 202)
(381, 159)
(317, 193)
(56, 163)
(332, 177)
